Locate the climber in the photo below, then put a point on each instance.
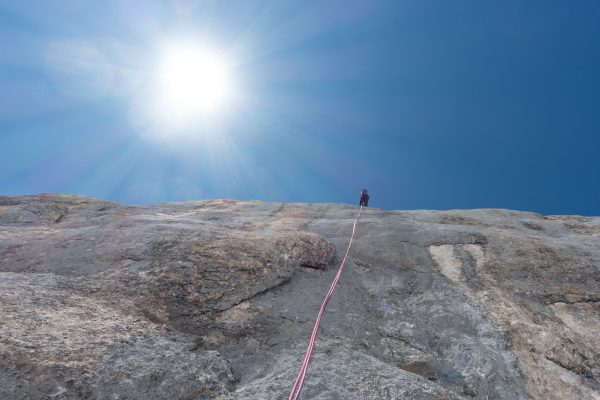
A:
(364, 198)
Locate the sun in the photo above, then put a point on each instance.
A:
(193, 81)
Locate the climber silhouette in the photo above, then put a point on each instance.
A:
(364, 198)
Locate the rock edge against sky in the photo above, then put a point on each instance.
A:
(216, 299)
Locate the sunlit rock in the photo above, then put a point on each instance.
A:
(216, 300)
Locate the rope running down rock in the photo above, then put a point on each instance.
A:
(295, 394)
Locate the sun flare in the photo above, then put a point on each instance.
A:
(193, 81)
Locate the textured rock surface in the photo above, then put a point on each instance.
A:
(216, 299)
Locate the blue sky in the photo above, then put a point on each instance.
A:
(428, 104)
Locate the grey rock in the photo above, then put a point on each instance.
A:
(216, 300)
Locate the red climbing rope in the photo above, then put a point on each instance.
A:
(311, 344)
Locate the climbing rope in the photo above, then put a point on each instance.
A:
(311, 344)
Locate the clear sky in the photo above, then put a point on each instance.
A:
(428, 104)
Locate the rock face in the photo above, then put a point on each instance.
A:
(216, 300)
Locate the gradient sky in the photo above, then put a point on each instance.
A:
(428, 104)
